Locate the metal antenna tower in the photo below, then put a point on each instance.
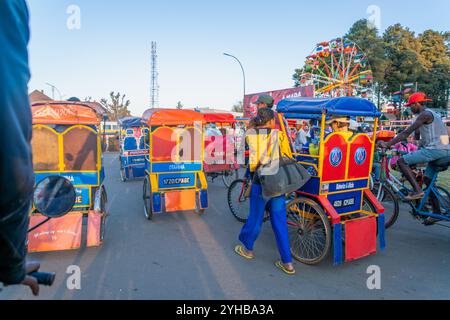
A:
(154, 89)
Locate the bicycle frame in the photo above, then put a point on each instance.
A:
(395, 184)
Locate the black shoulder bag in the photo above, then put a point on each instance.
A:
(282, 176)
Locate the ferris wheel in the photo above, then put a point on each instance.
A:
(337, 68)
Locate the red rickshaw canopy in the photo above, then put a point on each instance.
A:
(219, 118)
(172, 117)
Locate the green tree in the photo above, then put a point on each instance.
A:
(435, 50)
(117, 106)
(179, 105)
(238, 107)
(404, 61)
(372, 45)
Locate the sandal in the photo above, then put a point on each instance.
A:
(281, 266)
(240, 251)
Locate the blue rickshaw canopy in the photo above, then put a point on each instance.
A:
(131, 122)
(313, 107)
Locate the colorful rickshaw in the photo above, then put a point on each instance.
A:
(66, 142)
(335, 210)
(220, 147)
(133, 148)
(174, 180)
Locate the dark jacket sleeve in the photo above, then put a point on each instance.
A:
(16, 166)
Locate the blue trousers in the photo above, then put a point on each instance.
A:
(252, 228)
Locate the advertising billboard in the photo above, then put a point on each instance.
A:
(278, 95)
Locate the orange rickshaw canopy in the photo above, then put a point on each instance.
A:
(64, 113)
(172, 117)
(219, 118)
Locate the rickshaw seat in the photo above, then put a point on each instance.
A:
(441, 164)
(129, 144)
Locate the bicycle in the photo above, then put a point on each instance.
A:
(391, 188)
(238, 198)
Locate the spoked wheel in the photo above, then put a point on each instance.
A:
(445, 197)
(147, 196)
(309, 231)
(239, 200)
(122, 174)
(390, 203)
(229, 176)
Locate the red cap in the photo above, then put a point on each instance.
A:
(417, 97)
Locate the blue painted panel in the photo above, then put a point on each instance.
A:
(203, 199)
(157, 204)
(176, 167)
(76, 178)
(346, 202)
(348, 185)
(82, 197)
(312, 186)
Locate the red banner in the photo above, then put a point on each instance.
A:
(278, 95)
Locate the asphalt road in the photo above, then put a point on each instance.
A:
(187, 256)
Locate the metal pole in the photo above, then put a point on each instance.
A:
(53, 91)
(242, 68)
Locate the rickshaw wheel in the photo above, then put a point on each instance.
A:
(103, 199)
(229, 177)
(122, 175)
(147, 196)
(309, 231)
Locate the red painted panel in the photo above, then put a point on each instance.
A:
(334, 161)
(360, 156)
(94, 230)
(219, 153)
(360, 238)
(163, 144)
(55, 235)
(378, 206)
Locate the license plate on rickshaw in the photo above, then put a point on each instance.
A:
(342, 203)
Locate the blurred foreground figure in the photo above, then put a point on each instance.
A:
(16, 166)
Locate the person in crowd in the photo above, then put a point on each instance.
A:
(434, 141)
(261, 149)
(16, 165)
(354, 126)
(212, 130)
(341, 124)
(302, 138)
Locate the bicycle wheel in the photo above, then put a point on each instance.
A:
(229, 176)
(444, 194)
(309, 231)
(238, 202)
(390, 203)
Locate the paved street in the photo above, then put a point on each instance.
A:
(187, 256)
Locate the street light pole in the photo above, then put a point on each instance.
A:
(242, 68)
(53, 91)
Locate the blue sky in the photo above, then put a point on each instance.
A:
(111, 51)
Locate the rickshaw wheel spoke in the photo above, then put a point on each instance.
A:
(309, 231)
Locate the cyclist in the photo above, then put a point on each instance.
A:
(434, 141)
